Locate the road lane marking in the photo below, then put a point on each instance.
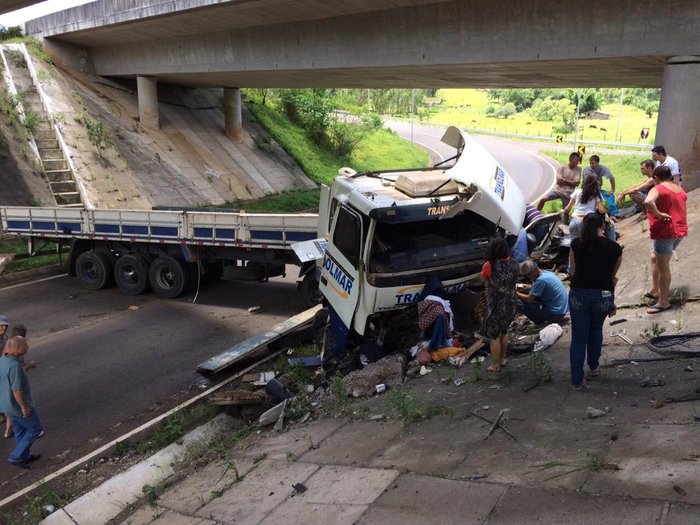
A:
(34, 282)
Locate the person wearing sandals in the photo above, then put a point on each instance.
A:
(500, 272)
(666, 210)
(595, 261)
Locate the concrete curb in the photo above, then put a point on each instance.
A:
(114, 495)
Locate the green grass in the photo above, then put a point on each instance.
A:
(19, 247)
(466, 108)
(380, 150)
(625, 168)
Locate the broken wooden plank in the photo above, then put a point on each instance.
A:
(242, 349)
(239, 397)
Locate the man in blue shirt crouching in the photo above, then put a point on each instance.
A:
(546, 300)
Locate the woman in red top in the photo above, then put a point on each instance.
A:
(666, 211)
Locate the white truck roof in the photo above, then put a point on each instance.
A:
(498, 199)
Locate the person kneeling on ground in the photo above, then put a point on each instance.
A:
(546, 300)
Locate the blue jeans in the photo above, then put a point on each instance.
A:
(26, 431)
(537, 313)
(438, 339)
(588, 309)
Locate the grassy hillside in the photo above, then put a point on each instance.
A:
(467, 108)
(381, 149)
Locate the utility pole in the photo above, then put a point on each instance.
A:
(413, 110)
(578, 110)
(619, 115)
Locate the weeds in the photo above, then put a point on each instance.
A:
(31, 121)
(174, 427)
(291, 457)
(408, 409)
(592, 463)
(539, 366)
(98, 134)
(340, 393)
(651, 331)
(260, 457)
(223, 443)
(121, 448)
(217, 493)
(475, 374)
(229, 466)
(151, 495)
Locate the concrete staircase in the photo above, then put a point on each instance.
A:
(51, 157)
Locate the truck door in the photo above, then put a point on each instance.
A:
(340, 283)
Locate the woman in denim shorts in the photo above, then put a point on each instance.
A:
(666, 211)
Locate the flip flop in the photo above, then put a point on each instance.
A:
(594, 373)
(578, 388)
(649, 295)
(658, 309)
(9, 434)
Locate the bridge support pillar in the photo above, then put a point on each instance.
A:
(147, 89)
(678, 125)
(233, 120)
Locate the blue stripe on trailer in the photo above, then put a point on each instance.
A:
(69, 227)
(300, 236)
(134, 230)
(205, 233)
(18, 225)
(263, 234)
(43, 225)
(166, 231)
(106, 228)
(226, 233)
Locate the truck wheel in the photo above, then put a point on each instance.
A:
(168, 277)
(309, 292)
(131, 274)
(94, 269)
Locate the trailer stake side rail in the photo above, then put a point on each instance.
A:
(250, 230)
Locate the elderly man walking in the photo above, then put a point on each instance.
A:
(16, 402)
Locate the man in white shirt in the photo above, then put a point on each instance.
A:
(658, 153)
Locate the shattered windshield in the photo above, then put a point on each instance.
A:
(399, 247)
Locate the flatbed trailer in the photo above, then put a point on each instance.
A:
(166, 249)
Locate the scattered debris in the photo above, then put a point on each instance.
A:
(648, 382)
(277, 390)
(495, 424)
(133, 308)
(620, 332)
(618, 321)
(688, 369)
(254, 309)
(696, 417)
(634, 363)
(377, 417)
(264, 378)
(595, 412)
(458, 381)
(680, 490)
(272, 415)
(380, 388)
(299, 488)
(548, 336)
(475, 477)
(311, 361)
(238, 397)
(679, 345)
(691, 396)
(424, 370)
(387, 371)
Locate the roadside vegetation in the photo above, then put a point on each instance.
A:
(22, 261)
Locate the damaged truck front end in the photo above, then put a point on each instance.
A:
(389, 233)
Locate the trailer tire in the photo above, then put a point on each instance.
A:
(169, 277)
(94, 269)
(131, 273)
(309, 291)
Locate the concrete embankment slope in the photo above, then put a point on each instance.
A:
(635, 274)
(187, 162)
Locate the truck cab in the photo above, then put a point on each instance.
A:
(389, 232)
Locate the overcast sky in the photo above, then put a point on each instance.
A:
(16, 18)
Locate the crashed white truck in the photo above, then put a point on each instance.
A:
(377, 239)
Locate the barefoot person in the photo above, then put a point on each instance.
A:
(500, 273)
(16, 402)
(666, 211)
(595, 262)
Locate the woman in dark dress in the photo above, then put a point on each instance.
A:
(595, 261)
(500, 273)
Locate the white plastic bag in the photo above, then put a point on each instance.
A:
(548, 336)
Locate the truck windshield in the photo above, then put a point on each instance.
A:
(400, 247)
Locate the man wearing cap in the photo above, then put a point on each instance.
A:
(16, 402)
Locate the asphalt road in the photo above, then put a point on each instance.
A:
(533, 173)
(103, 369)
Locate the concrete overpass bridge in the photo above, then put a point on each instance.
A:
(394, 43)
